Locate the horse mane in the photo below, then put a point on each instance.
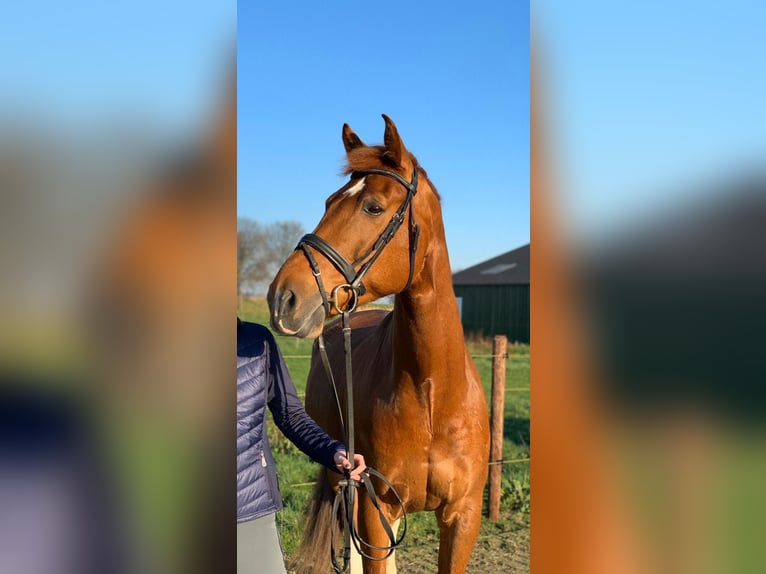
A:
(376, 157)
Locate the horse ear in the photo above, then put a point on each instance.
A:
(350, 139)
(395, 150)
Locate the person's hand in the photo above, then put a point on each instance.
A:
(343, 464)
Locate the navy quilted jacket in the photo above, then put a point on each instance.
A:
(263, 380)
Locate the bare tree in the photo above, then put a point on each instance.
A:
(283, 236)
(251, 237)
(261, 250)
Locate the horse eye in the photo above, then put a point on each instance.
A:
(373, 209)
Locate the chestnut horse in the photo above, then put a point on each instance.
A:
(420, 413)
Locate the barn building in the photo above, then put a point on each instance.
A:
(494, 296)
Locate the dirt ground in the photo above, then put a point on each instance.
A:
(499, 553)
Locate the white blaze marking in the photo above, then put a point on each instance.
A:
(356, 188)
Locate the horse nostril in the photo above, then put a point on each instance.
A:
(286, 303)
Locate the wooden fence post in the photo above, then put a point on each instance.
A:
(499, 355)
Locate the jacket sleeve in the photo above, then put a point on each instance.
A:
(290, 416)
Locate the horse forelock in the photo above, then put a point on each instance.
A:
(372, 157)
(364, 158)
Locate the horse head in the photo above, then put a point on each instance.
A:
(371, 242)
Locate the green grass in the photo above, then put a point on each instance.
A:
(297, 472)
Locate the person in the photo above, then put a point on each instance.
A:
(263, 380)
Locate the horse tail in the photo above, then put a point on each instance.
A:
(313, 553)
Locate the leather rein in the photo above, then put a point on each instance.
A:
(354, 288)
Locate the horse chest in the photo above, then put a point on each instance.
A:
(411, 450)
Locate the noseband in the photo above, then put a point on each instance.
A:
(354, 286)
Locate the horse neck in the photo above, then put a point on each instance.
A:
(426, 329)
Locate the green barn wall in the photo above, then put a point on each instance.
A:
(495, 310)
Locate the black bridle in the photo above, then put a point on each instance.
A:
(354, 287)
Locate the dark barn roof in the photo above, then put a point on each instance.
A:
(510, 268)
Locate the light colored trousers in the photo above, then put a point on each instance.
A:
(259, 550)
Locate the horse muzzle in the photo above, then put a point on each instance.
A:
(293, 314)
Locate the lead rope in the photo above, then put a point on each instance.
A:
(345, 495)
(320, 340)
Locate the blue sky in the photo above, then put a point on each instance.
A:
(648, 103)
(455, 81)
(89, 64)
(655, 106)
